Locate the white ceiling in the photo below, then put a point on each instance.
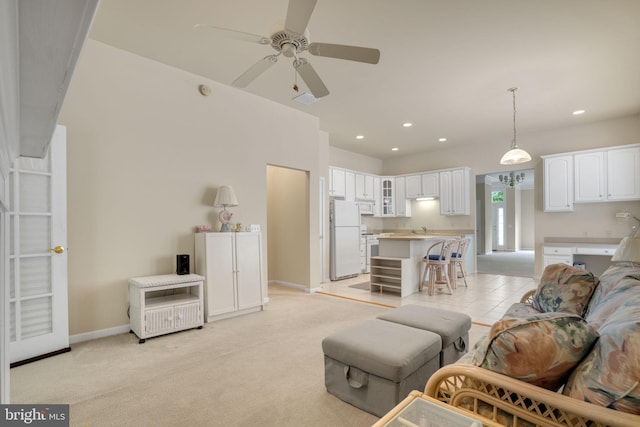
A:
(445, 65)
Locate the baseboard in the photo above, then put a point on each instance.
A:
(294, 286)
(102, 333)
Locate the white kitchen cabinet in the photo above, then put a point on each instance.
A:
(607, 175)
(377, 196)
(556, 255)
(337, 182)
(365, 188)
(422, 185)
(430, 184)
(558, 183)
(388, 193)
(455, 192)
(623, 174)
(232, 266)
(589, 175)
(165, 303)
(350, 186)
(403, 205)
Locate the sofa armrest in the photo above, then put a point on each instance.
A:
(508, 401)
(527, 298)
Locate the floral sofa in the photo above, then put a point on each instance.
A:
(567, 355)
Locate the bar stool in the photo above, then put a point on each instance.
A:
(437, 262)
(457, 260)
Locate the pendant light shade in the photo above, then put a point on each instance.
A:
(515, 155)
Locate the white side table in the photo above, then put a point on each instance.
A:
(166, 303)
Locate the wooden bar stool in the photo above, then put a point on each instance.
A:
(437, 262)
(457, 261)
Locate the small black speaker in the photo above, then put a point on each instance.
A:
(182, 264)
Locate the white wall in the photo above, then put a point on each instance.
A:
(146, 154)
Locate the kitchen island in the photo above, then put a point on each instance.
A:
(398, 266)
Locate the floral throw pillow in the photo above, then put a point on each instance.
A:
(564, 289)
(540, 349)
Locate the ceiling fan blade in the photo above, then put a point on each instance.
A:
(298, 15)
(256, 69)
(233, 34)
(310, 77)
(341, 51)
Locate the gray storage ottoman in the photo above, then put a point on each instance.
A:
(453, 327)
(374, 364)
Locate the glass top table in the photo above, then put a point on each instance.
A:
(420, 410)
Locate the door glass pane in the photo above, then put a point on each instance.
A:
(33, 164)
(35, 317)
(34, 193)
(35, 234)
(11, 234)
(35, 276)
(11, 196)
(12, 321)
(12, 278)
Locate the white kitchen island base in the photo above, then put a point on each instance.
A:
(398, 266)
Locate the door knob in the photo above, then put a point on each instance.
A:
(58, 249)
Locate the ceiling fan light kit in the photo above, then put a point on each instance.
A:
(515, 155)
(292, 41)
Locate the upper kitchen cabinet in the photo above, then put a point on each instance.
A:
(607, 175)
(365, 187)
(377, 196)
(558, 183)
(623, 174)
(350, 186)
(388, 193)
(403, 205)
(602, 175)
(337, 182)
(589, 174)
(455, 192)
(422, 185)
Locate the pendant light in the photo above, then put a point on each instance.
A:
(515, 155)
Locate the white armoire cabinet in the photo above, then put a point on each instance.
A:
(232, 266)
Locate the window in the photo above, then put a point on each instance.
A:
(497, 196)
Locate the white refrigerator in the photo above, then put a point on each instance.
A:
(344, 222)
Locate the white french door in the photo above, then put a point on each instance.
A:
(38, 306)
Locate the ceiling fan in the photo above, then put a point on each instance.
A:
(291, 42)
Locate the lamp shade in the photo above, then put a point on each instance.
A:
(628, 250)
(515, 156)
(225, 197)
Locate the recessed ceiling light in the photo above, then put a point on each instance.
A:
(578, 112)
(442, 139)
(394, 149)
(359, 136)
(407, 124)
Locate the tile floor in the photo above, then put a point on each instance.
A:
(485, 299)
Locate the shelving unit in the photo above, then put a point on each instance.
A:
(392, 274)
(165, 303)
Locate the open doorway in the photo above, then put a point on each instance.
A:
(288, 227)
(505, 223)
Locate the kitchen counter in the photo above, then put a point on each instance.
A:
(416, 237)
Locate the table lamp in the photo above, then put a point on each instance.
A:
(225, 197)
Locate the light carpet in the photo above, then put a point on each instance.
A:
(263, 369)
